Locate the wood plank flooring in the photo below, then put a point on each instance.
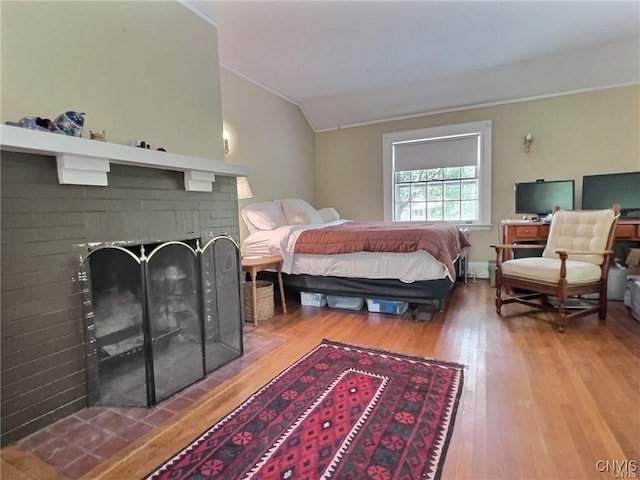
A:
(536, 404)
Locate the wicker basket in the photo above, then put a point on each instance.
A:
(264, 300)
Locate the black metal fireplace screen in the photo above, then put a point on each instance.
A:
(158, 322)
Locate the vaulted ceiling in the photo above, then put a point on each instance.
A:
(353, 62)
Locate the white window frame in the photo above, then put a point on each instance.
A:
(483, 129)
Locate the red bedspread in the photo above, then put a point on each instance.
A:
(443, 240)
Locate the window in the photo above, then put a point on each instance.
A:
(441, 173)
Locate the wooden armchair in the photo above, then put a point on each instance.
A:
(575, 261)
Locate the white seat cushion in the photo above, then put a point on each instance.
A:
(547, 270)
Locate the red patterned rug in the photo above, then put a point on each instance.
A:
(341, 411)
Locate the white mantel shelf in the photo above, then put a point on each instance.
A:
(87, 162)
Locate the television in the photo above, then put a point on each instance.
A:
(539, 197)
(604, 191)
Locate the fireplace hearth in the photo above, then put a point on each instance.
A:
(158, 317)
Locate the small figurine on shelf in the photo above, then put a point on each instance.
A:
(101, 137)
(35, 123)
(70, 123)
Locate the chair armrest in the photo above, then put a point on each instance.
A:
(564, 256)
(581, 252)
(504, 246)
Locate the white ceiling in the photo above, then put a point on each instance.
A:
(353, 62)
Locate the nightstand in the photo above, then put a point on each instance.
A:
(253, 265)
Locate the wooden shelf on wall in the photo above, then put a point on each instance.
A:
(86, 162)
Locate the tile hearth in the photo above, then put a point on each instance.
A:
(83, 440)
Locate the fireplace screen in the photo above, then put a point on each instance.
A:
(155, 324)
(222, 340)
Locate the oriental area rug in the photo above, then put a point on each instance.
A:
(341, 412)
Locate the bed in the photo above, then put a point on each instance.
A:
(414, 262)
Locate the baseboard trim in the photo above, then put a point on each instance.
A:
(480, 269)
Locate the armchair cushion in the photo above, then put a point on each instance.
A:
(581, 231)
(547, 270)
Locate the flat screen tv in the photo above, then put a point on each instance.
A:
(604, 191)
(539, 197)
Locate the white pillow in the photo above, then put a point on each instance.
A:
(329, 214)
(263, 216)
(299, 212)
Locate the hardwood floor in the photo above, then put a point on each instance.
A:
(535, 403)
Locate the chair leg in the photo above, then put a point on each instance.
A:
(562, 316)
(602, 301)
(602, 311)
(498, 298)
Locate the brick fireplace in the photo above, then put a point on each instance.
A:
(47, 228)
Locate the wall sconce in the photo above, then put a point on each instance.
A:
(225, 142)
(244, 190)
(528, 140)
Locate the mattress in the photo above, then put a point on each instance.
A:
(406, 267)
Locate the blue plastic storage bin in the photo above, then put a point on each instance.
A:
(386, 306)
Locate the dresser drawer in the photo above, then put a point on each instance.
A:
(626, 231)
(528, 231)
